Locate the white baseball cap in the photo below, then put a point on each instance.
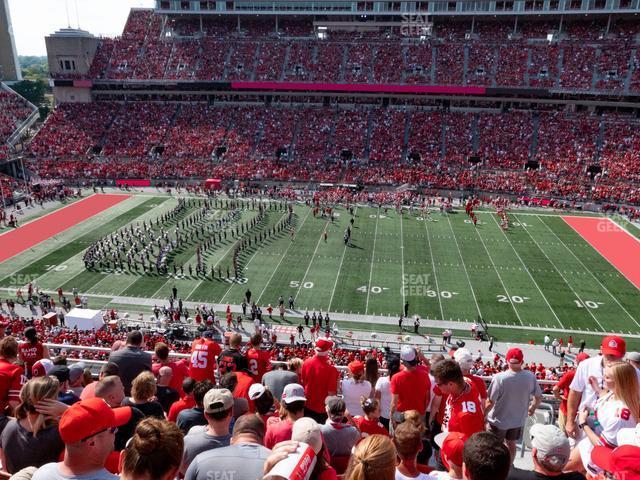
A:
(408, 354)
(293, 392)
(552, 445)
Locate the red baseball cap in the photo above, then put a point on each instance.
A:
(515, 354)
(613, 345)
(623, 462)
(323, 346)
(89, 417)
(451, 446)
(356, 367)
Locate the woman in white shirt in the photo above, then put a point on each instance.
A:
(354, 388)
(383, 391)
(618, 406)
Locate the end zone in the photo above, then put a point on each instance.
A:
(32, 233)
(614, 243)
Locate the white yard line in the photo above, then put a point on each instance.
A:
(527, 270)
(499, 277)
(284, 254)
(335, 284)
(433, 266)
(373, 254)
(615, 299)
(252, 257)
(402, 261)
(304, 277)
(473, 294)
(560, 273)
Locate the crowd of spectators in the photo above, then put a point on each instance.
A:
(357, 145)
(227, 410)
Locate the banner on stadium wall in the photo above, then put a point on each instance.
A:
(213, 183)
(358, 87)
(133, 183)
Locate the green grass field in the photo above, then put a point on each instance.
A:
(539, 274)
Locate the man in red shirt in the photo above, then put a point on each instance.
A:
(186, 402)
(293, 402)
(259, 360)
(179, 368)
(561, 390)
(320, 380)
(465, 360)
(11, 376)
(463, 411)
(411, 387)
(203, 358)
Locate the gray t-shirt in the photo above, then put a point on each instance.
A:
(243, 461)
(50, 472)
(22, 449)
(276, 380)
(511, 394)
(198, 441)
(339, 439)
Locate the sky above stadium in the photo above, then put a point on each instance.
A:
(32, 20)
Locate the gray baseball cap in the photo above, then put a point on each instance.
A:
(552, 445)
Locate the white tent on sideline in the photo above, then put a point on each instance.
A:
(84, 319)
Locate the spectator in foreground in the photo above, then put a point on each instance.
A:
(108, 369)
(88, 430)
(179, 369)
(194, 416)
(374, 459)
(561, 390)
(485, 457)
(143, 394)
(355, 387)
(186, 401)
(167, 396)
(32, 439)
(308, 431)
(218, 410)
(292, 408)
(513, 394)
(243, 459)
(550, 451)
(13, 375)
(617, 408)
(408, 442)
(31, 350)
(281, 376)
(131, 360)
(154, 452)
(582, 393)
(451, 447)
(383, 390)
(320, 380)
(411, 387)
(338, 436)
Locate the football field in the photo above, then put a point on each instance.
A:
(540, 274)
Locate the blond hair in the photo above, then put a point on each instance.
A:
(32, 392)
(143, 387)
(374, 459)
(626, 386)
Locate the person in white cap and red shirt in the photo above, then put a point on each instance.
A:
(581, 393)
(410, 387)
(88, 430)
(550, 452)
(320, 380)
(293, 402)
(513, 394)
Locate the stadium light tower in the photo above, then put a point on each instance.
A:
(9, 65)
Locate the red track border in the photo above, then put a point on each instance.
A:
(614, 243)
(34, 232)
